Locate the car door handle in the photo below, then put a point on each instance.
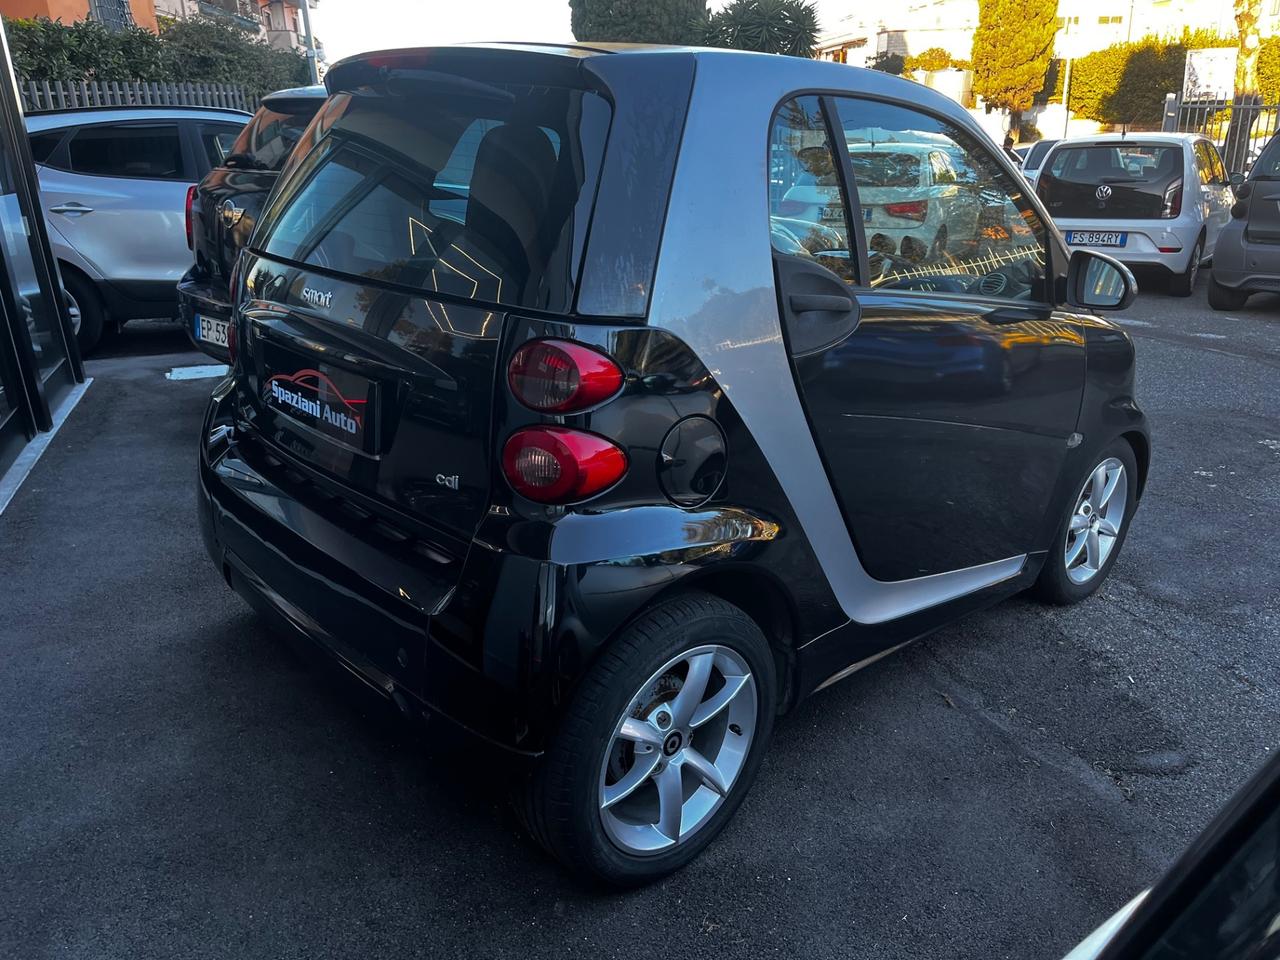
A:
(820, 303)
(1003, 315)
(71, 207)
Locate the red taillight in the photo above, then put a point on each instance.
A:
(559, 465)
(191, 234)
(1172, 199)
(233, 342)
(910, 210)
(556, 376)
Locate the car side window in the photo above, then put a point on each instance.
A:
(1219, 168)
(973, 231)
(132, 151)
(218, 140)
(1204, 163)
(806, 204)
(43, 144)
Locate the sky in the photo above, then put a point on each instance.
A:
(354, 26)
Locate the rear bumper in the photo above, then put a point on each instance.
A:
(1143, 242)
(201, 297)
(1241, 264)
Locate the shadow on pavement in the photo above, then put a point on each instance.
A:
(145, 338)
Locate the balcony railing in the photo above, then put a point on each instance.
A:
(245, 12)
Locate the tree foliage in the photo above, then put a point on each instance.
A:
(1126, 83)
(639, 21)
(767, 26)
(929, 61)
(199, 50)
(1012, 48)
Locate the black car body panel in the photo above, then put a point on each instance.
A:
(352, 481)
(229, 199)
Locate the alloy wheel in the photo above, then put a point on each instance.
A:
(1095, 524)
(73, 311)
(678, 749)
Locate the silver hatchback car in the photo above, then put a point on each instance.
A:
(113, 185)
(1149, 199)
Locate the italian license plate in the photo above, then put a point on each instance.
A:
(337, 403)
(211, 330)
(1096, 238)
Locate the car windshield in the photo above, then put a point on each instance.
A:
(873, 168)
(1129, 163)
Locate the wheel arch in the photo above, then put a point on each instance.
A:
(1141, 453)
(762, 598)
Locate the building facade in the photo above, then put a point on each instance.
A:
(279, 22)
(112, 13)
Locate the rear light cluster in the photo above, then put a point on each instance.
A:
(553, 464)
(909, 210)
(191, 202)
(233, 341)
(1172, 200)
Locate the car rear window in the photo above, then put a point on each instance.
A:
(876, 169)
(1035, 156)
(1129, 163)
(482, 197)
(1267, 166)
(270, 137)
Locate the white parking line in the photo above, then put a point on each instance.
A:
(201, 371)
(11, 480)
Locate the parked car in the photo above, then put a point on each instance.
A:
(113, 182)
(223, 208)
(1151, 199)
(1031, 163)
(1219, 900)
(1248, 254)
(584, 470)
(911, 197)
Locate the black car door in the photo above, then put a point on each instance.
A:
(941, 384)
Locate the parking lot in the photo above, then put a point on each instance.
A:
(176, 782)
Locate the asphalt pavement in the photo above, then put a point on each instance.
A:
(177, 782)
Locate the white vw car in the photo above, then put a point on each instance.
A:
(1147, 199)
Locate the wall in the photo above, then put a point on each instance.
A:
(68, 11)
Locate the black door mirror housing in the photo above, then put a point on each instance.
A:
(1236, 179)
(1098, 282)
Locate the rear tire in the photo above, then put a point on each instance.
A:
(1224, 298)
(1083, 551)
(633, 763)
(1184, 284)
(92, 315)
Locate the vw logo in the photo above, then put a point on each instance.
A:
(1103, 192)
(231, 214)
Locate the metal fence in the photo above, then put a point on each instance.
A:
(41, 95)
(1213, 118)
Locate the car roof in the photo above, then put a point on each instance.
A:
(57, 119)
(800, 73)
(315, 92)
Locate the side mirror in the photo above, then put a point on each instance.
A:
(1097, 282)
(1236, 179)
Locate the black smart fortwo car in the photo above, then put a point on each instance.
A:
(608, 402)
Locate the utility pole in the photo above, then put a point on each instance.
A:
(312, 65)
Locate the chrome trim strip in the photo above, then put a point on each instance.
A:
(714, 290)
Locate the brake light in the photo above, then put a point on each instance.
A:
(560, 465)
(191, 234)
(556, 376)
(1172, 199)
(910, 210)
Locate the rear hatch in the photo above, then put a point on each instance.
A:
(230, 198)
(1119, 180)
(381, 275)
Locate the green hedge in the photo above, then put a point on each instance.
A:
(199, 49)
(1126, 83)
